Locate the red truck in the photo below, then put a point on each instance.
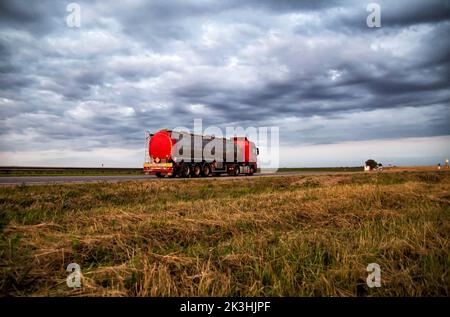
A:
(189, 155)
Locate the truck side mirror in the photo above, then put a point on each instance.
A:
(257, 151)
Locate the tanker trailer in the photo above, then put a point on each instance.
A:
(182, 154)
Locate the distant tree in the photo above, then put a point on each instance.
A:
(371, 163)
(380, 165)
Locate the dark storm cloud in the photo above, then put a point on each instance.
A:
(307, 66)
(20, 11)
(351, 18)
(39, 17)
(292, 5)
(415, 12)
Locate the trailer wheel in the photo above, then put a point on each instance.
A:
(185, 170)
(197, 170)
(206, 170)
(159, 175)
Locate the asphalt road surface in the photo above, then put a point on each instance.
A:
(17, 180)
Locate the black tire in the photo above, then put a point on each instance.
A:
(176, 171)
(185, 170)
(237, 170)
(159, 175)
(252, 171)
(196, 170)
(206, 170)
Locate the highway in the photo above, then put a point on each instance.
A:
(29, 180)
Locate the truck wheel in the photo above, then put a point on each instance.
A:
(184, 170)
(251, 171)
(237, 170)
(206, 170)
(197, 170)
(159, 175)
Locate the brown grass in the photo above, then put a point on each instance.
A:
(415, 168)
(277, 236)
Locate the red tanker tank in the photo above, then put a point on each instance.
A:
(160, 146)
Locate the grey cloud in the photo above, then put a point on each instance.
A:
(351, 18)
(293, 5)
(415, 12)
(38, 17)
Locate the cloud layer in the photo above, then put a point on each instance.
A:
(313, 68)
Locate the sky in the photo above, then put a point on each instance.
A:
(340, 92)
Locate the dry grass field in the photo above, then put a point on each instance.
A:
(414, 168)
(273, 236)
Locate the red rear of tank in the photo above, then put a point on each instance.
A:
(160, 154)
(160, 146)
